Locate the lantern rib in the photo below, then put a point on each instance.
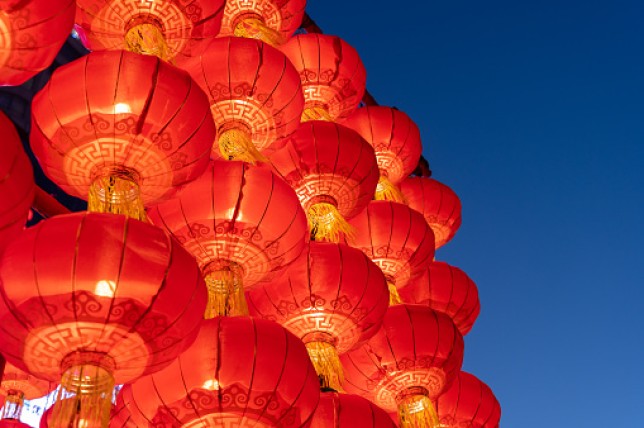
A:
(165, 405)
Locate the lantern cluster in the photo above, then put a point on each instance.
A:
(254, 252)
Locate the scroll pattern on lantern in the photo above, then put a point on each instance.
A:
(394, 380)
(345, 192)
(389, 163)
(267, 9)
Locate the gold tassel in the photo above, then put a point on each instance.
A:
(147, 39)
(326, 223)
(116, 193)
(394, 297)
(13, 404)
(388, 191)
(327, 364)
(417, 411)
(225, 292)
(237, 144)
(316, 112)
(254, 28)
(84, 396)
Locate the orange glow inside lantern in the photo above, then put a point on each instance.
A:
(416, 410)
(325, 359)
(116, 191)
(325, 221)
(144, 36)
(236, 143)
(316, 112)
(252, 26)
(388, 191)
(225, 290)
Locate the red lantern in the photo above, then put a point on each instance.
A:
(16, 183)
(332, 298)
(242, 223)
(334, 173)
(396, 141)
(96, 299)
(16, 387)
(347, 410)
(271, 21)
(239, 372)
(31, 34)
(412, 359)
(446, 289)
(165, 28)
(332, 74)
(99, 129)
(13, 423)
(468, 403)
(255, 95)
(437, 203)
(397, 239)
(116, 418)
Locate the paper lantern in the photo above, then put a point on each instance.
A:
(334, 173)
(397, 239)
(332, 298)
(90, 300)
(255, 95)
(240, 372)
(445, 289)
(31, 34)
(16, 183)
(16, 387)
(396, 141)
(437, 203)
(242, 223)
(271, 21)
(332, 74)
(99, 129)
(468, 403)
(116, 419)
(165, 28)
(349, 411)
(413, 358)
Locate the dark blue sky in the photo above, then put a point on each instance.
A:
(533, 112)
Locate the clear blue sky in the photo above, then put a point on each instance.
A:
(533, 112)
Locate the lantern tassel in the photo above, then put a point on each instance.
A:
(326, 223)
(316, 113)
(394, 297)
(13, 404)
(236, 144)
(417, 411)
(388, 191)
(147, 39)
(225, 293)
(255, 28)
(117, 193)
(327, 364)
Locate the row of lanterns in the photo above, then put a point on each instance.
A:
(254, 251)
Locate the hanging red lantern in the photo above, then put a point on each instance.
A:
(271, 21)
(334, 173)
(468, 403)
(397, 239)
(31, 34)
(412, 359)
(332, 74)
(116, 419)
(332, 298)
(16, 183)
(242, 223)
(91, 300)
(239, 372)
(445, 289)
(437, 203)
(255, 95)
(348, 410)
(167, 29)
(396, 141)
(16, 387)
(98, 129)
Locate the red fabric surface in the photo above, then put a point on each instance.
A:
(468, 402)
(349, 411)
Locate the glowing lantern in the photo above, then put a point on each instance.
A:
(347, 410)
(91, 300)
(437, 203)
(446, 289)
(240, 372)
(242, 223)
(468, 403)
(271, 21)
(31, 34)
(396, 141)
(99, 129)
(167, 29)
(412, 359)
(16, 387)
(332, 298)
(332, 74)
(255, 95)
(16, 183)
(397, 239)
(117, 419)
(334, 173)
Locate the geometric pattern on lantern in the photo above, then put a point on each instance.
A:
(18, 380)
(280, 15)
(345, 192)
(332, 74)
(395, 381)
